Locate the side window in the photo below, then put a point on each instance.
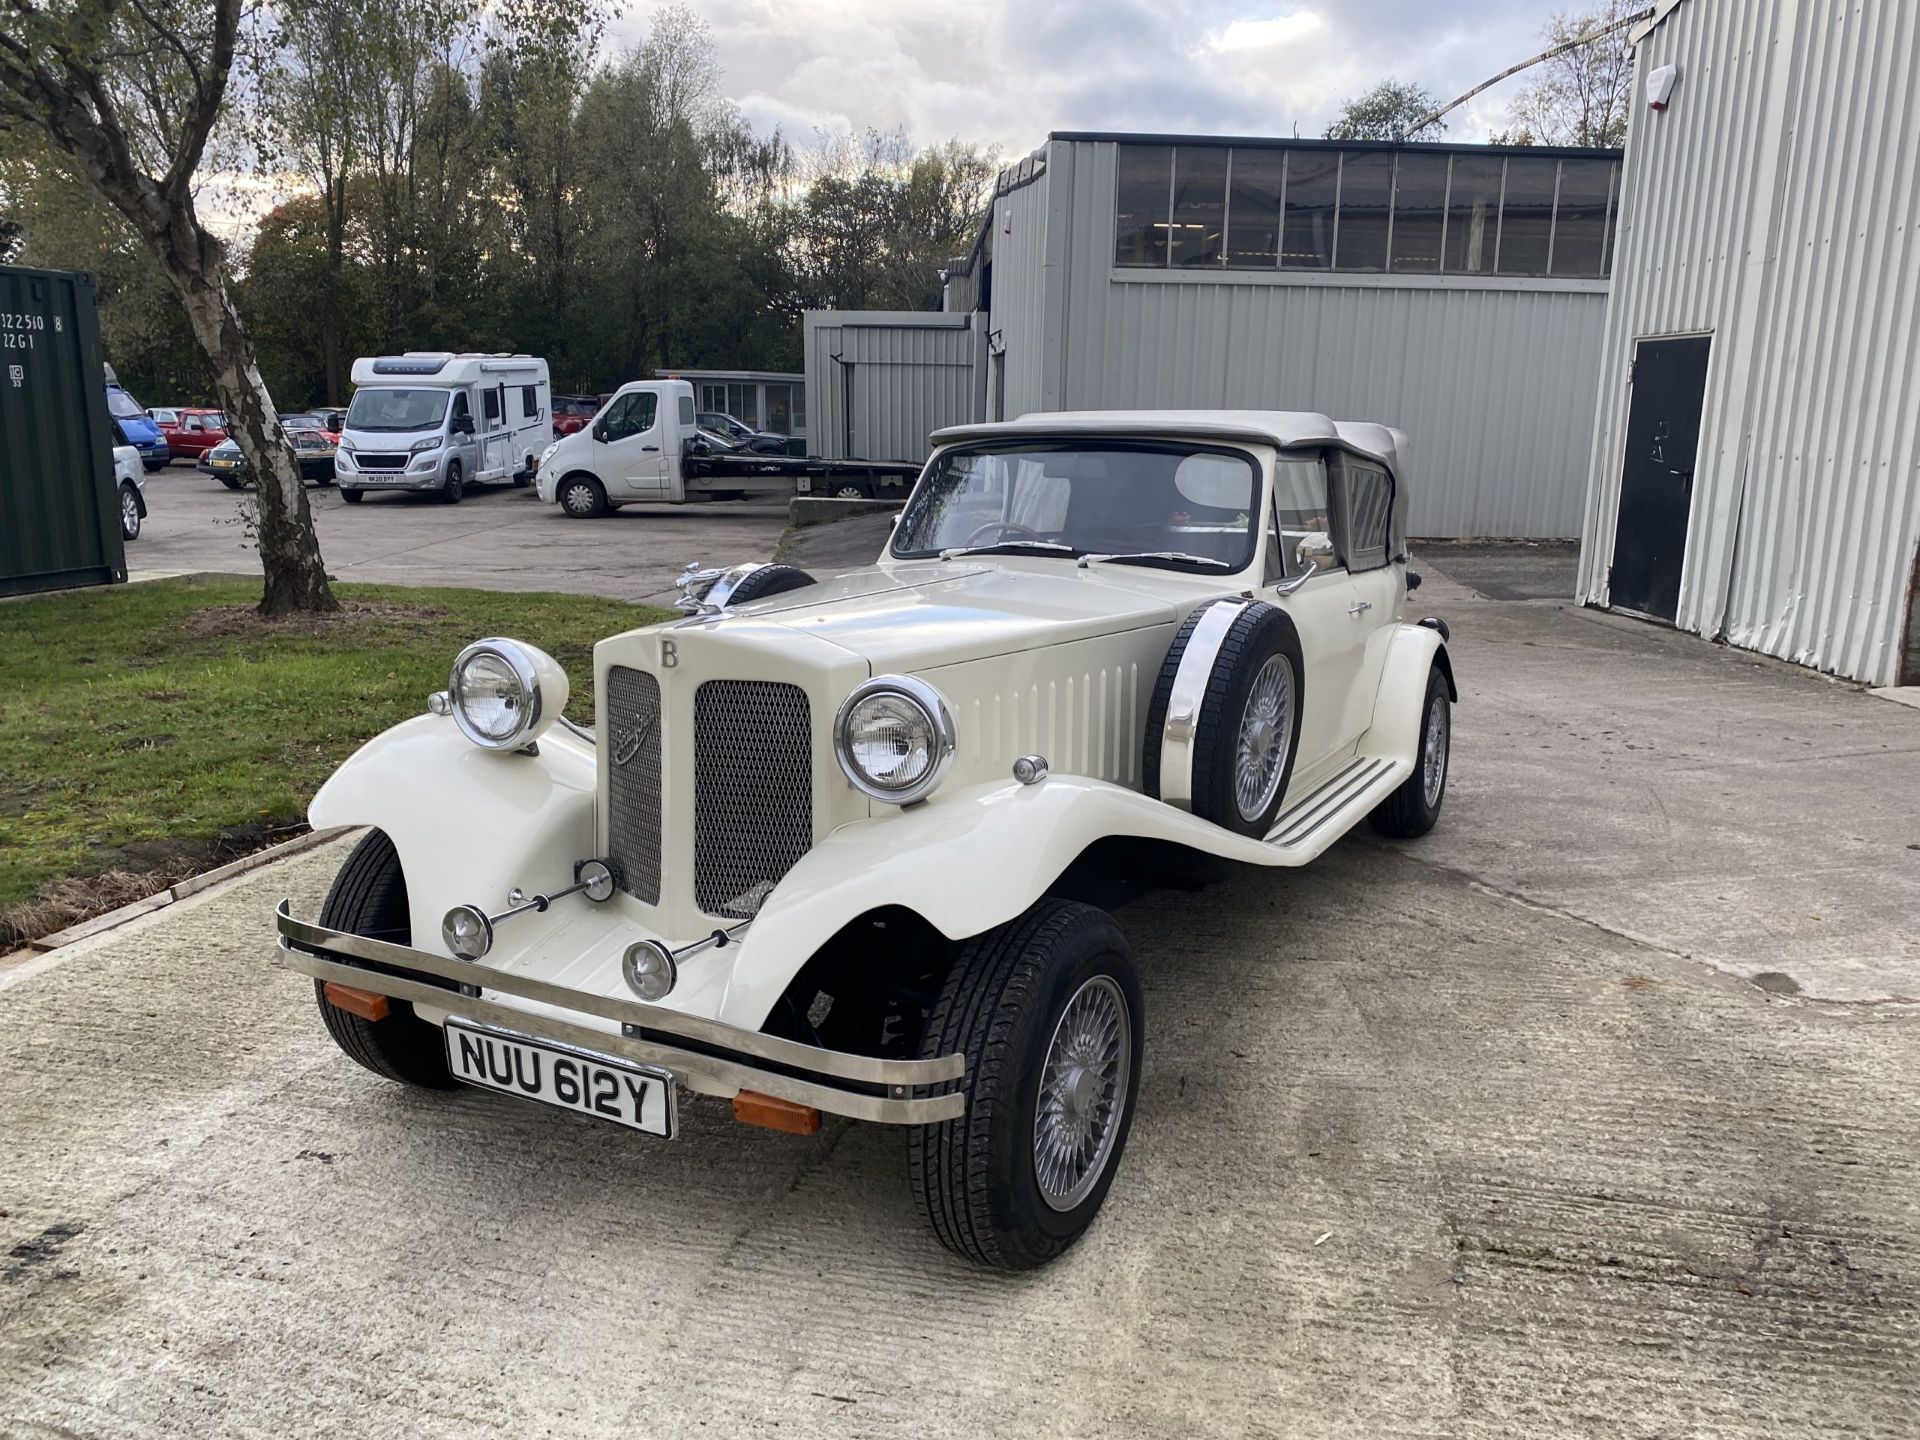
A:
(461, 410)
(630, 415)
(529, 401)
(686, 412)
(1300, 511)
(490, 401)
(1366, 508)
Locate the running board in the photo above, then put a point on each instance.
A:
(1337, 804)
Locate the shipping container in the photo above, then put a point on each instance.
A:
(59, 512)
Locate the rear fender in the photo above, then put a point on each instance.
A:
(1398, 707)
(470, 824)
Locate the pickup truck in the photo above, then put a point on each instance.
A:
(645, 447)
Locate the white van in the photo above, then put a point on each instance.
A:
(434, 420)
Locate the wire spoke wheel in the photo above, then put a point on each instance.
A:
(1083, 1085)
(1433, 760)
(1266, 730)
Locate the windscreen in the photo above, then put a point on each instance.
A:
(122, 406)
(397, 409)
(1181, 506)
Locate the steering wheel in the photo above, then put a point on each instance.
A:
(1000, 529)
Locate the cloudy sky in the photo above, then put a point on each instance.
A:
(1006, 72)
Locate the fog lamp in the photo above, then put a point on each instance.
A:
(649, 969)
(467, 932)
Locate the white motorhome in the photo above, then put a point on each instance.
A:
(433, 420)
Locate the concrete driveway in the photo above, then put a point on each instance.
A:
(498, 538)
(1594, 1113)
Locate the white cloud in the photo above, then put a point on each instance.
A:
(1007, 73)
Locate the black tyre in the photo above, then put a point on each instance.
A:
(232, 482)
(454, 486)
(769, 580)
(352, 497)
(129, 512)
(582, 497)
(1047, 1011)
(369, 897)
(1415, 806)
(1248, 730)
(523, 477)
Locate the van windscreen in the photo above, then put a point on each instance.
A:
(396, 409)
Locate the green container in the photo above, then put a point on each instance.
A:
(59, 511)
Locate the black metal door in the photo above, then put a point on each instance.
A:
(1656, 478)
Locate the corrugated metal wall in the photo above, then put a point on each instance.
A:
(59, 510)
(1776, 204)
(1492, 379)
(879, 382)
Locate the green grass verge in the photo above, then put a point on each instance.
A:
(150, 727)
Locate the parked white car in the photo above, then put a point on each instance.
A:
(130, 489)
(839, 847)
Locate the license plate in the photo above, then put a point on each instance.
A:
(630, 1095)
(221, 464)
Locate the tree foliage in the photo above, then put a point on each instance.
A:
(1386, 112)
(1580, 97)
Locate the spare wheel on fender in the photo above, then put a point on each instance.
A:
(1224, 725)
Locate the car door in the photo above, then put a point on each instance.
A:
(1307, 578)
(627, 445)
(1363, 521)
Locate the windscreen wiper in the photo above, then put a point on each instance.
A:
(1010, 547)
(1148, 557)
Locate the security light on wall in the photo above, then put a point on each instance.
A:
(1660, 86)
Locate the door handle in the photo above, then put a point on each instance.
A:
(1359, 607)
(650, 449)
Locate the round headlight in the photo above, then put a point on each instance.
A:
(503, 693)
(894, 738)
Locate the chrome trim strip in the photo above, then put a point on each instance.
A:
(866, 1068)
(681, 1063)
(1327, 801)
(1181, 726)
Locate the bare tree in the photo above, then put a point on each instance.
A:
(1581, 95)
(130, 94)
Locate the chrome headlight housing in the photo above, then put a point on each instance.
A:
(504, 694)
(894, 738)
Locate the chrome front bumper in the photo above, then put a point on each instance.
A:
(706, 1055)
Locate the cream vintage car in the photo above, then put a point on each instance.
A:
(835, 847)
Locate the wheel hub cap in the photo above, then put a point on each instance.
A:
(1433, 759)
(1083, 1085)
(1266, 726)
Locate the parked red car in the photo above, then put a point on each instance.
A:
(572, 412)
(191, 433)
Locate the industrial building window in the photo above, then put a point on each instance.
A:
(1366, 200)
(1414, 211)
(1198, 236)
(1253, 231)
(1580, 217)
(779, 413)
(1419, 212)
(1526, 216)
(1313, 190)
(1143, 194)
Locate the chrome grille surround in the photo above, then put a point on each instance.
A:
(632, 730)
(753, 791)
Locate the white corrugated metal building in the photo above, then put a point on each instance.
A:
(1456, 291)
(1764, 304)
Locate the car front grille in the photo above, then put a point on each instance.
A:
(379, 462)
(753, 791)
(631, 756)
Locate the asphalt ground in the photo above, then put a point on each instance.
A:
(497, 538)
(1593, 1113)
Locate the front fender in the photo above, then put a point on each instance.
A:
(469, 824)
(964, 862)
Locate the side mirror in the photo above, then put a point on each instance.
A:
(600, 432)
(460, 425)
